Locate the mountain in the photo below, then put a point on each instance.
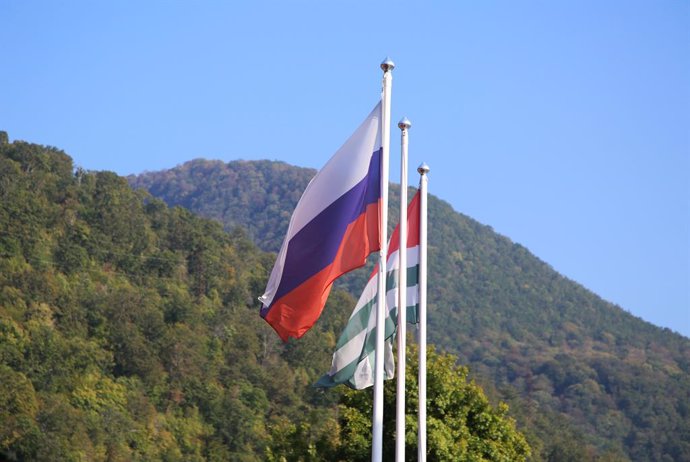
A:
(557, 352)
(129, 332)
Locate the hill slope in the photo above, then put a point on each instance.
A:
(128, 332)
(568, 355)
(124, 332)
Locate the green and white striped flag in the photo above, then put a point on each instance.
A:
(355, 355)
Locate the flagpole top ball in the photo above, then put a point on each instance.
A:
(423, 169)
(387, 64)
(404, 123)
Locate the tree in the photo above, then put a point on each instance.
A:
(18, 408)
(462, 424)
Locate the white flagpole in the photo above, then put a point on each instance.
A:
(377, 420)
(421, 435)
(404, 126)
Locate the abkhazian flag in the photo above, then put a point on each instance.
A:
(333, 229)
(355, 355)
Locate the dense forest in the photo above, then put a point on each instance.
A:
(129, 331)
(586, 379)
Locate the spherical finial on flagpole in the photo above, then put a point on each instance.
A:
(387, 64)
(404, 123)
(423, 169)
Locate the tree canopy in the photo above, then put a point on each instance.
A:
(584, 376)
(462, 424)
(129, 331)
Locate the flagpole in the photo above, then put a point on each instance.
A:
(421, 435)
(404, 126)
(377, 420)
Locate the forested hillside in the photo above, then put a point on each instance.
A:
(257, 196)
(129, 331)
(558, 353)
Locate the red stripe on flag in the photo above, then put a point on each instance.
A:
(412, 231)
(295, 312)
(412, 227)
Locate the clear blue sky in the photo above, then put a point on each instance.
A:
(563, 125)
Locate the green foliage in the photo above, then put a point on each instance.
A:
(231, 196)
(584, 376)
(129, 331)
(462, 425)
(18, 407)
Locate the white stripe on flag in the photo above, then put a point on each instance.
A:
(354, 350)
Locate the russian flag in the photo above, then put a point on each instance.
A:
(333, 229)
